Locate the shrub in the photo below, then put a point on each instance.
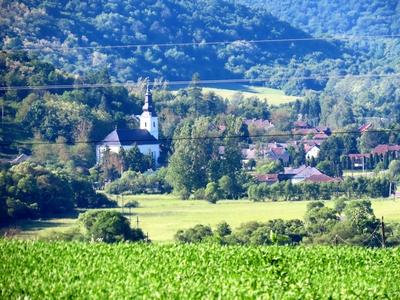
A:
(132, 204)
(109, 227)
(196, 234)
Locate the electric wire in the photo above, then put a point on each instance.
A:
(205, 43)
(187, 82)
(221, 137)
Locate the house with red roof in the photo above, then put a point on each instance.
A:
(383, 149)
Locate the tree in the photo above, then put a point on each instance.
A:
(187, 169)
(227, 186)
(196, 234)
(394, 170)
(339, 205)
(223, 229)
(320, 219)
(326, 167)
(109, 227)
(361, 216)
(268, 166)
(212, 192)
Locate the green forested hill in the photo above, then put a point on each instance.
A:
(370, 25)
(375, 17)
(69, 37)
(97, 23)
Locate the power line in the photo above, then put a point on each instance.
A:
(186, 82)
(205, 43)
(338, 132)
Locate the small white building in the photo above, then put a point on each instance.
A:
(313, 152)
(145, 137)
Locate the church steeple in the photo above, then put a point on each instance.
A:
(148, 102)
(148, 118)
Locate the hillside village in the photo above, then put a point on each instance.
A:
(180, 149)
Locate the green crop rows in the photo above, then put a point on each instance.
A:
(40, 270)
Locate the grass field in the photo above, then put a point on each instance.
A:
(273, 96)
(62, 270)
(162, 215)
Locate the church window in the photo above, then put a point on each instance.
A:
(154, 124)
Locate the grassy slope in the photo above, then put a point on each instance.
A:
(162, 215)
(37, 270)
(227, 90)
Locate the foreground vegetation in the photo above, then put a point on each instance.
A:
(65, 270)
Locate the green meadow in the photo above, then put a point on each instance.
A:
(162, 215)
(228, 90)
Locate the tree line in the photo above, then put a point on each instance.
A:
(347, 223)
(30, 191)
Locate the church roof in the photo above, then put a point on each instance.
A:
(127, 137)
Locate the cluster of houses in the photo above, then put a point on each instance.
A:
(297, 175)
(146, 138)
(312, 138)
(358, 160)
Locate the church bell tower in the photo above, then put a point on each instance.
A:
(148, 118)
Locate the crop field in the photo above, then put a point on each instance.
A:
(40, 270)
(161, 216)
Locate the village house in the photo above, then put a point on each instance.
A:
(304, 173)
(271, 151)
(386, 149)
(296, 175)
(358, 160)
(145, 137)
(312, 151)
(259, 123)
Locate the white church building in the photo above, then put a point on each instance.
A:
(145, 138)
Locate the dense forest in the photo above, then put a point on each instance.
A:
(373, 29)
(66, 24)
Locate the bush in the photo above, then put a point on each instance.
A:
(197, 234)
(212, 192)
(132, 204)
(109, 227)
(199, 194)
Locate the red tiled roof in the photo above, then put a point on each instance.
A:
(301, 124)
(305, 131)
(358, 155)
(320, 136)
(365, 127)
(318, 178)
(308, 147)
(312, 142)
(266, 177)
(382, 149)
(278, 150)
(289, 170)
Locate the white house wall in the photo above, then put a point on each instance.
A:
(153, 150)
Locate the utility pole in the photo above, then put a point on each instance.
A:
(137, 221)
(383, 233)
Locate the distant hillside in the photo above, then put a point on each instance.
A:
(376, 17)
(30, 23)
